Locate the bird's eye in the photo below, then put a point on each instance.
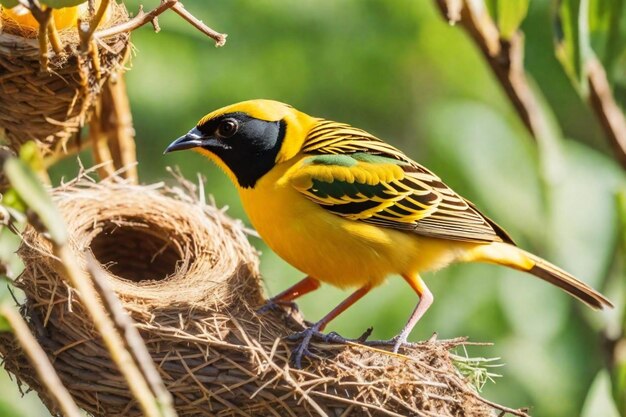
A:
(227, 128)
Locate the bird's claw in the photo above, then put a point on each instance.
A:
(397, 342)
(309, 334)
(278, 305)
(303, 348)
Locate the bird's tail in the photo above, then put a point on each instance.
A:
(514, 257)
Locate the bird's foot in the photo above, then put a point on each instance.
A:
(302, 350)
(278, 305)
(313, 332)
(397, 342)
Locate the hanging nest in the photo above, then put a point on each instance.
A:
(50, 106)
(187, 275)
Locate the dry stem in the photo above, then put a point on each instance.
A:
(118, 126)
(505, 57)
(47, 28)
(142, 18)
(45, 17)
(99, 148)
(55, 39)
(219, 38)
(606, 109)
(95, 21)
(39, 360)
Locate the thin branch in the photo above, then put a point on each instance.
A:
(219, 38)
(95, 21)
(99, 148)
(55, 39)
(142, 18)
(505, 57)
(118, 126)
(126, 326)
(47, 375)
(136, 22)
(45, 17)
(607, 110)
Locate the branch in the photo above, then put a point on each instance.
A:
(219, 38)
(142, 18)
(117, 126)
(608, 112)
(47, 375)
(505, 57)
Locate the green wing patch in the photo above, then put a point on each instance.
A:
(358, 176)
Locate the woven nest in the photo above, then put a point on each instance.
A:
(51, 106)
(188, 277)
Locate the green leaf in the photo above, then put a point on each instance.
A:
(12, 199)
(599, 401)
(607, 30)
(4, 325)
(511, 13)
(507, 14)
(492, 8)
(58, 4)
(30, 190)
(9, 3)
(584, 223)
(621, 212)
(573, 45)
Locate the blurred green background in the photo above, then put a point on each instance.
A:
(398, 70)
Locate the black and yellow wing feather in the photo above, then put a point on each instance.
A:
(357, 176)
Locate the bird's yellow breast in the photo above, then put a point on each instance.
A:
(341, 252)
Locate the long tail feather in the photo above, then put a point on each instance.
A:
(514, 257)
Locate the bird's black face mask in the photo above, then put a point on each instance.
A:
(248, 146)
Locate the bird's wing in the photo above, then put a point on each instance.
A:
(357, 176)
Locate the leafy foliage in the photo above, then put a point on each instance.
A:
(8, 3)
(59, 4)
(29, 193)
(508, 15)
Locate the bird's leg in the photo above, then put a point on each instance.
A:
(425, 301)
(286, 297)
(316, 329)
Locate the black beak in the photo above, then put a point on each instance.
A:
(193, 139)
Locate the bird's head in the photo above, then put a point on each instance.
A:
(248, 139)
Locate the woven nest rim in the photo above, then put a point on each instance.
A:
(22, 40)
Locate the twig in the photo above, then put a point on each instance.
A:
(95, 21)
(47, 29)
(112, 339)
(47, 375)
(126, 326)
(118, 126)
(136, 22)
(99, 148)
(505, 57)
(505, 410)
(142, 18)
(606, 109)
(219, 38)
(53, 34)
(45, 17)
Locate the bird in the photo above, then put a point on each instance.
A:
(348, 209)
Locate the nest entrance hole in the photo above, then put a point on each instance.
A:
(136, 251)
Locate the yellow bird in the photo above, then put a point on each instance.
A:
(348, 209)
